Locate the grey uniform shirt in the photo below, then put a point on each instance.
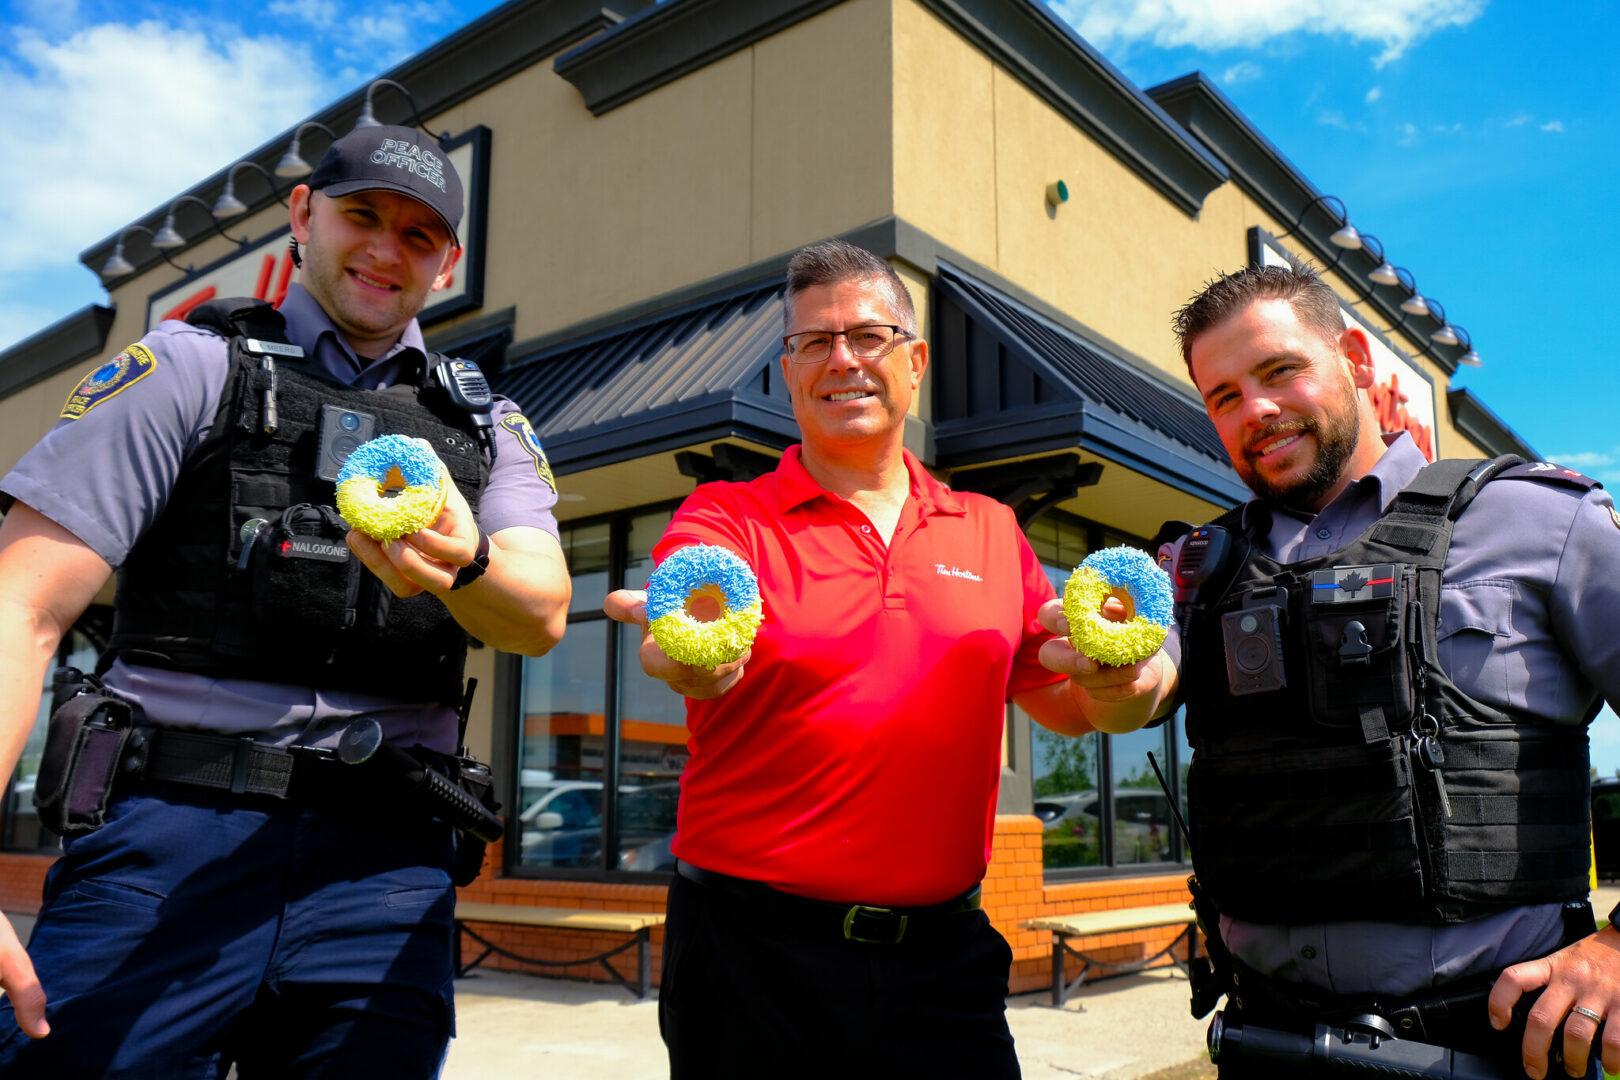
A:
(1529, 621)
(107, 475)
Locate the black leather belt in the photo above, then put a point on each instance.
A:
(866, 923)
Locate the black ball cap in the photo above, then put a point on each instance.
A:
(392, 158)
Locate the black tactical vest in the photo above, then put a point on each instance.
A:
(288, 603)
(1338, 774)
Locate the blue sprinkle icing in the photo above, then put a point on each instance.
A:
(700, 564)
(1139, 575)
(418, 464)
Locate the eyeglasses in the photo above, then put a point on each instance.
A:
(866, 342)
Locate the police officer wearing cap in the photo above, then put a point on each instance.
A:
(1388, 669)
(271, 752)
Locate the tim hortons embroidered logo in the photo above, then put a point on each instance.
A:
(955, 571)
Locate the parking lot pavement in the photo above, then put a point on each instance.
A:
(512, 1026)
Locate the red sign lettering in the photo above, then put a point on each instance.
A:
(1390, 405)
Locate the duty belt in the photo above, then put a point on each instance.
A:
(869, 924)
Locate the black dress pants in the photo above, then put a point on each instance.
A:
(749, 992)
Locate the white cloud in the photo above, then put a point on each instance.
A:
(1217, 24)
(1553, 125)
(1519, 120)
(1602, 465)
(321, 14)
(115, 119)
(1241, 72)
(1374, 94)
(1408, 134)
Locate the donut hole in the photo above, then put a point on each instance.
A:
(1124, 612)
(393, 483)
(706, 603)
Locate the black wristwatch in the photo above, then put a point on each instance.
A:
(475, 569)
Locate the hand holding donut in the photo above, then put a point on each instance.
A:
(1120, 691)
(1138, 588)
(420, 544)
(699, 684)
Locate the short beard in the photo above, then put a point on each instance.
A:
(1336, 434)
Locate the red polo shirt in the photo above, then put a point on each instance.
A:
(858, 758)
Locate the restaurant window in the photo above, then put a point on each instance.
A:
(600, 746)
(1100, 804)
(20, 829)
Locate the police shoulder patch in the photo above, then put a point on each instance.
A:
(110, 379)
(519, 425)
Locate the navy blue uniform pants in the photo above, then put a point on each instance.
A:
(746, 992)
(185, 936)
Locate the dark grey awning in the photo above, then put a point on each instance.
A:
(697, 374)
(1010, 381)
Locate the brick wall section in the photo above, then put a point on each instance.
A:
(556, 945)
(1014, 892)
(22, 880)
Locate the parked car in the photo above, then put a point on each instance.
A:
(1072, 822)
(561, 825)
(647, 827)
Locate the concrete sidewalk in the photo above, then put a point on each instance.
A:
(512, 1026)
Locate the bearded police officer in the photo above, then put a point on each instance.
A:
(272, 753)
(1388, 669)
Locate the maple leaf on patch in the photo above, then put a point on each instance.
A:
(1353, 582)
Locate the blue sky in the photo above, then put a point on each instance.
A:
(1478, 140)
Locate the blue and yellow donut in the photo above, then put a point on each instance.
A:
(399, 464)
(1139, 582)
(687, 574)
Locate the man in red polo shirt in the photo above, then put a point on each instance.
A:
(837, 811)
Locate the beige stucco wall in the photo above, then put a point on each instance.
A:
(769, 148)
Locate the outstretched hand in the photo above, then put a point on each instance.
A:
(1585, 974)
(700, 684)
(21, 985)
(1114, 699)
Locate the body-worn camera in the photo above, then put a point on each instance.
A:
(342, 430)
(1253, 638)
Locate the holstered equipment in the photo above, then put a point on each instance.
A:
(85, 744)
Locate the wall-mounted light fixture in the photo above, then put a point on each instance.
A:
(1345, 236)
(168, 238)
(1469, 357)
(116, 265)
(1057, 193)
(228, 205)
(292, 164)
(1413, 304)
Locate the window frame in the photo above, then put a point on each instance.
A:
(1097, 536)
(509, 719)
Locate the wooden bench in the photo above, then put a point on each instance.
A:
(1116, 921)
(638, 924)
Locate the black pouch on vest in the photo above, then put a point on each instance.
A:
(1356, 620)
(303, 573)
(83, 745)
